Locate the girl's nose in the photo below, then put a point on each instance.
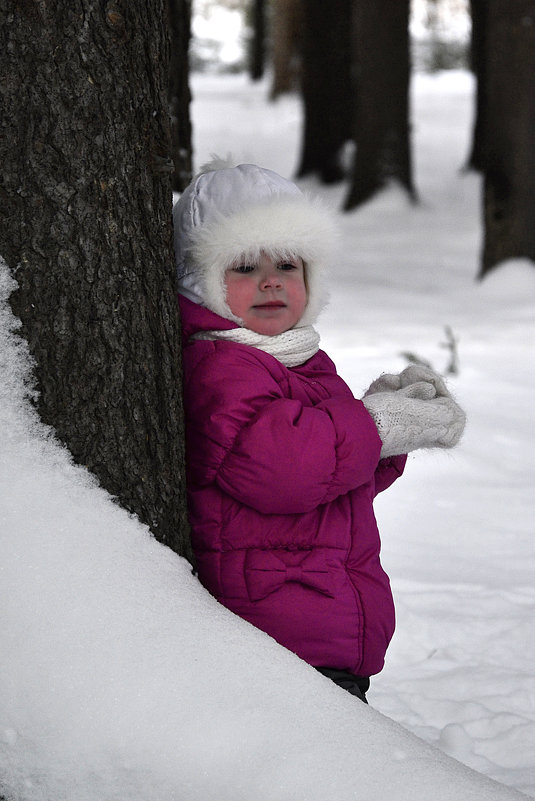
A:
(271, 280)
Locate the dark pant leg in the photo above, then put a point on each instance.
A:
(356, 685)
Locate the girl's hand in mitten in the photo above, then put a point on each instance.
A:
(419, 372)
(413, 418)
(387, 382)
(415, 373)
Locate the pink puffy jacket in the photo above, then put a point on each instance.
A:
(283, 466)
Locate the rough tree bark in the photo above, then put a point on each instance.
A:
(326, 86)
(381, 43)
(179, 92)
(86, 205)
(509, 138)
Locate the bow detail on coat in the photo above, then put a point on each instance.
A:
(265, 573)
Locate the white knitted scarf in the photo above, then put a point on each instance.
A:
(291, 348)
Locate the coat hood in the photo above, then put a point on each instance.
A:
(197, 318)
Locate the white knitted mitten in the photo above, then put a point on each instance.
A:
(413, 417)
(389, 382)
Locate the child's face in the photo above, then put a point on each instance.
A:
(269, 296)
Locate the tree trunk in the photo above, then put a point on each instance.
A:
(327, 91)
(179, 93)
(257, 47)
(286, 45)
(479, 12)
(509, 141)
(382, 103)
(86, 201)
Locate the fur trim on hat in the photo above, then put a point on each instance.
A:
(261, 212)
(283, 228)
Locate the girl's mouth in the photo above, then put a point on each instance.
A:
(272, 304)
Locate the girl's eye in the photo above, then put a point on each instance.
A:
(244, 268)
(287, 265)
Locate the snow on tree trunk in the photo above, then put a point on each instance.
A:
(86, 204)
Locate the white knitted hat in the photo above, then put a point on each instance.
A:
(229, 213)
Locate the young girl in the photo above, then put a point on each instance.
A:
(283, 462)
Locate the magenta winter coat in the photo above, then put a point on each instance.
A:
(283, 467)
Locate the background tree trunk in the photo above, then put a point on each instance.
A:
(179, 93)
(286, 45)
(381, 42)
(509, 139)
(326, 84)
(257, 45)
(86, 203)
(479, 13)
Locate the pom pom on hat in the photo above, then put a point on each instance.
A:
(229, 213)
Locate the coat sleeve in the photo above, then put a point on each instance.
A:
(269, 451)
(388, 470)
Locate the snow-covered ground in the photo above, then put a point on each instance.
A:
(121, 678)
